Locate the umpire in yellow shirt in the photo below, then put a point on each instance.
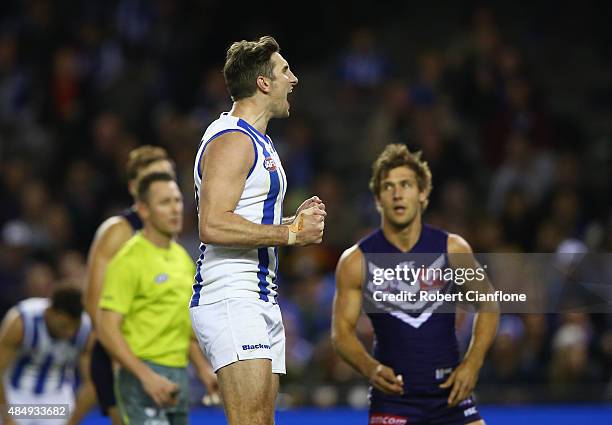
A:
(143, 319)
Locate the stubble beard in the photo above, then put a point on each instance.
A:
(403, 224)
(167, 233)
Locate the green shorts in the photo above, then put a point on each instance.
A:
(137, 408)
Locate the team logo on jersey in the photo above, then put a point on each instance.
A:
(269, 164)
(161, 278)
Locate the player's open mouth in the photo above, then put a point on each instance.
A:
(399, 210)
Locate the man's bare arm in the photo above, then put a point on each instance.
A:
(158, 387)
(86, 397)
(225, 167)
(346, 312)
(110, 236)
(464, 377)
(11, 337)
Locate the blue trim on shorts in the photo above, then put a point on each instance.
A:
(37, 321)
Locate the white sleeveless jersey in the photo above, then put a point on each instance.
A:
(228, 272)
(44, 366)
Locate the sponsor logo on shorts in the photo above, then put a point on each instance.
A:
(440, 373)
(384, 419)
(255, 347)
(470, 411)
(269, 164)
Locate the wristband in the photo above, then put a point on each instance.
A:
(294, 228)
(292, 237)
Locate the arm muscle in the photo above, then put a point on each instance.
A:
(346, 311)
(225, 167)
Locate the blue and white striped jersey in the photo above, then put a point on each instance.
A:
(229, 272)
(44, 364)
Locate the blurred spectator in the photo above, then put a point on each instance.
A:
(506, 351)
(525, 169)
(570, 363)
(39, 280)
(363, 66)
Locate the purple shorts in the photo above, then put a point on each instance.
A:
(423, 408)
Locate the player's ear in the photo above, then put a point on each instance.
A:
(422, 197)
(142, 209)
(377, 202)
(264, 84)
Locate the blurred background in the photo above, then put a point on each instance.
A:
(510, 105)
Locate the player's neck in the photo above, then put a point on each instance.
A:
(253, 111)
(403, 238)
(158, 239)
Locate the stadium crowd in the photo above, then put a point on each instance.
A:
(83, 83)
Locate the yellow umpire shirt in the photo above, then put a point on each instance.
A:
(151, 288)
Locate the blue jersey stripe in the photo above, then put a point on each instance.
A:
(197, 286)
(255, 161)
(42, 375)
(283, 189)
(268, 214)
(243, 124)
(197, 199)
(268, 218)
(23, 362)
(62, 376)
(254, 136)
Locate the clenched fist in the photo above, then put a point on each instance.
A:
(308, 226)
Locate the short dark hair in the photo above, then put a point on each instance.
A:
(142, 157)
(145, 183)
(67, 298)
(397, 155)
(244, 62)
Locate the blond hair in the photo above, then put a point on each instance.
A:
(143, 156)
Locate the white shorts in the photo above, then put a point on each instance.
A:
(240, 329)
